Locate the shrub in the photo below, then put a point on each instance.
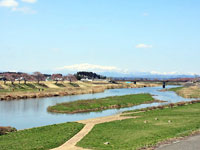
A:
(6, 130)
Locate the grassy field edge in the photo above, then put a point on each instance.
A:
(40, 138)
(151, 128)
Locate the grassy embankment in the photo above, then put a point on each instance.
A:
(50, 89)
(42, 138)
(149, 129)
(101, 104)
(187, 92)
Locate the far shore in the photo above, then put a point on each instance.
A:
(51, 89)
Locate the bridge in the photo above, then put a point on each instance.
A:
(164, 82)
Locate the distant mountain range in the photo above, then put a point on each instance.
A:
(146, 75)
(113, 71)
(150, 75)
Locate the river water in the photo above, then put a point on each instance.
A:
(29, 113)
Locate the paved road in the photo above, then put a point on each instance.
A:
(191, 143)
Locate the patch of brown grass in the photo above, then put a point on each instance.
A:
(189, 92)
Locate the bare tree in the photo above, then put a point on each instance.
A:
(18, 77)
(4, 81)
(39, 76)
(10, 77)
(6, 78)
(57, 77)
(26, 77)
(70, 78)
(196, 78)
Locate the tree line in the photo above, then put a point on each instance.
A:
(88, 75)
(36, 76)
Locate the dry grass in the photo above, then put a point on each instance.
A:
(50, 89)
(189, 92)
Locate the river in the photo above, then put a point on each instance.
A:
(29, 113)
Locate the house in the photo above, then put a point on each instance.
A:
(86, 79)
(19, 79)
(47, 77)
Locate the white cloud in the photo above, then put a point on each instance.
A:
(25, 10)
(145, 14)
(14, 5)
(56, 50)
(29, 1)
(90, 67)
(8, 3)
(143, 46)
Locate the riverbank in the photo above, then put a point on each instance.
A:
(187, 92)
(51, 89)
(44, 138)
(113, 102)
(150, 128)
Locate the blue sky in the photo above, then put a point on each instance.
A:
(121, 35)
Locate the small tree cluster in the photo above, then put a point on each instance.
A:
(39, 77)
(89, 75)
(12, 77)
(70, 78)
(15, 76)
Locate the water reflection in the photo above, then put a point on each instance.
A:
(33, 112)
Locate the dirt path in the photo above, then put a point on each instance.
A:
(89, 124)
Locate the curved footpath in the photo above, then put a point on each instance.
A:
(188, 143)
(89, 124)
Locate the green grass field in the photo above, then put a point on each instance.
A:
(145, 131)
(101, 104)
(41, 138)
(175, 89)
